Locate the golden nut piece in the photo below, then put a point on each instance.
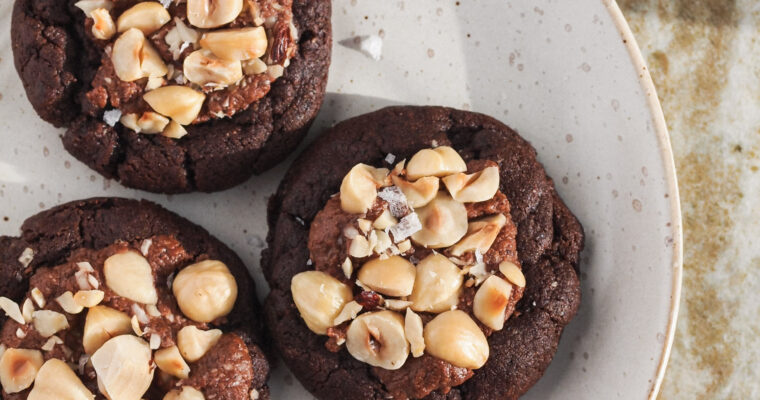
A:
(480, 186)
(349, 312)
(213, 13)
(89, 298)
(56, 381)
(319, 298)
(359, 188)
(490, 302)
(133, 57)
(66, 301)
(123, 366)
(186, 393)
(419, 192)
(101, 324)
(151, 122)
(194, 343)
(437, 285)
(413, 329)
(480, 235)
(12, 310)
(378, 339)
(170, 361)
(18, 368)
(88, 6)
(148, 17)
(444, 222)
(205, 291)
(48, 323)
(130, 276)
(103, 27)
(384, 221)
(393, 276)
(454, 337)
(513, 273)
(179, 103)
(203, 67)
(440, 161)
(236, 44)
(174, 130)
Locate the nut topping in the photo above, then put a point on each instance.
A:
(480, 186)
(88, 6)
(103, 27)
(480, 235)
(66, 301)
(151, 122)
(444, 222)
(236, 44)
(194, 343)
(123, 366)
(213, 13)
(454, 337)
(420, 192)
(359, 188)
(378, 339)
(437, 285)
(56, 381)
(490, 302)
(393, 276)
(512, 273)
(440, 161)
(130, 276)
(205, 291)
(203, 67)
(12, 310)
(384, 221)
(133, 57)
(170, 361)
(174, 130)
(179, 103)
(18, 368)
(147, 16)
(319, 298)
(186, 393)
(413, 329)
(359, 247)
(349, 312)
(48, 323)
(101, 324)
(89, 298)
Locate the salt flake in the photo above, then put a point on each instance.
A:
(397, 203)
(111, 117)
(390, 158)
(406, 227)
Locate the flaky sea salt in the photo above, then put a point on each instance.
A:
(111, 117)
(372, 46)
(26, 257)
(397, 203)
(390, 158)
(406, 227)
(166, 3)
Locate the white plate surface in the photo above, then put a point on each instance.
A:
(559, 72)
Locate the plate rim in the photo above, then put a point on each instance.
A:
(666, 155)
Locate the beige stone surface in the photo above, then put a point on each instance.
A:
(704, 57)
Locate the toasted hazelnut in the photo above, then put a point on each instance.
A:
(513, 273)
(103, 27)
(347, 267)
(88, 6)
(56, 381)
(130, 276)
(170, 361)
(413, 329)
(174, 130)
(126, 55)
(385, 220)
(420, 192)
(37, 296)
(186, 393)
(480, 235)
(404, 246)
(444, 222)
(179, 103)
(383, 242)
(480, 186)
(205, 291)
(151, 122)
(48, 323)
(254, 66)
(66, 301)
(194, 343)
(203, 67)
(490, 302)
(12, 310)
(378, 339)
(440, 161)
(213, 13)
(359, 247)
(123, 366)
(454, 337)
(27, 310)
(236, 44)
(148, 17)
(18, 368)
(101, 324)
(396, 305)
(393, 276)
(437, 284)
(319, 298)
(89, 298)
(359, 188)
(151, 62)
(349, 312)
(364, 224)
(130, 121)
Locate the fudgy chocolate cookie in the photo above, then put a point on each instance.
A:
(178, 95)
(124, 297)
(420, 252)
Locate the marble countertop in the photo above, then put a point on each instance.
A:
(704, 57)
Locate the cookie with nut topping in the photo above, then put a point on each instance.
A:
(175, 96)
(432, 259)
(120, 299)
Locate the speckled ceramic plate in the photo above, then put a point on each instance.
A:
(566, 74)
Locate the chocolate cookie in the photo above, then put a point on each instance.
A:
(102, 282)
(317, 242)
(165, 98)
